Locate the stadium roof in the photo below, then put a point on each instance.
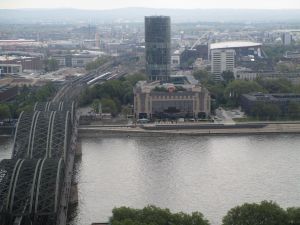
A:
(234, 44)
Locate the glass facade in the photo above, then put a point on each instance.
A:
(158, 47)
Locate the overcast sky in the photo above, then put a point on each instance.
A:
(186, 4)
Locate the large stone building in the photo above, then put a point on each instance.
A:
(154, 100)
(158, 47)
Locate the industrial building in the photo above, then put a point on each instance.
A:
(155, 100)
(76, 59)
(17, 64)
(158, 47)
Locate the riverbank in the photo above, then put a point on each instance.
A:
(270, 128)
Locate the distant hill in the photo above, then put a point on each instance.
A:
(137, 15)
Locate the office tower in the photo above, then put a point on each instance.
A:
(287, 39)
(221, 60)
(158, 47)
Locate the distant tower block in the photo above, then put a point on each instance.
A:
(158, 47)
(97, 40)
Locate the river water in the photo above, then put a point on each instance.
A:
(206, 174)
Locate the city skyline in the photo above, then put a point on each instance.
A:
(188, 4)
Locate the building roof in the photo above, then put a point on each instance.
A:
(234, 44)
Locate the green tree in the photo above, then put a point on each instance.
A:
(266, 111)
(97, 63)
(293, 110)
(203, 76)
(276, 86)
(236, 88)
(4, 111)
(96, 105)
(293, 216)
(152, 215)
(51, 65)
(227, 76)
(109, 106)
(265, 213)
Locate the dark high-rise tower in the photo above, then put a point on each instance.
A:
(158, 47)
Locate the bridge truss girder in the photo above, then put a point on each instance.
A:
(42, 134)
(30, 189)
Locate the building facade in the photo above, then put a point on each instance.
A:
(248, 101)
(158, 47)
(152, 100)
(222, 60)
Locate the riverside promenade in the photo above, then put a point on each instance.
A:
(187, 129)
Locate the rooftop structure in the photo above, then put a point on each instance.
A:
(234, 44)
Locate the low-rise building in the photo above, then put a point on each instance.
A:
(17, 64)
(242, 73)
(10, 69)
(155, 100)
(248, 101)
(76, 59)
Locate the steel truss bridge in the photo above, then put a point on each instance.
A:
(35, 183)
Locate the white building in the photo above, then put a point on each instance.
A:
(287, 39)
(222, 60)
(242, 73)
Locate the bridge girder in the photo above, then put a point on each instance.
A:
(30, 188)
(22, 191)
(23, 134)
(48, 186)
(60, 135)
(42, 134)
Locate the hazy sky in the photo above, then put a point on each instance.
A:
(108, 4)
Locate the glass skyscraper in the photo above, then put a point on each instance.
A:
(158, 47)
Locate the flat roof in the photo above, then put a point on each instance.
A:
(234, 44)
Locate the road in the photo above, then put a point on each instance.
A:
(224, 116)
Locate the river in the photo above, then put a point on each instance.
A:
(206, 174)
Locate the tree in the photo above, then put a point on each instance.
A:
(202, 75)
(96, 105)
(293, 216)
(4, 111)
(227, 76)
(97, 63)
(267, 111)
(265, 213)
(152, 215)
(109, 106)
(293, 110)
(276, 86)
(236, 88)
(51, 65)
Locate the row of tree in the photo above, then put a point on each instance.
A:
(264, 213)
(114, 95)
(228, 92)
(26, 99)
(97, 63)
(269, 111)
